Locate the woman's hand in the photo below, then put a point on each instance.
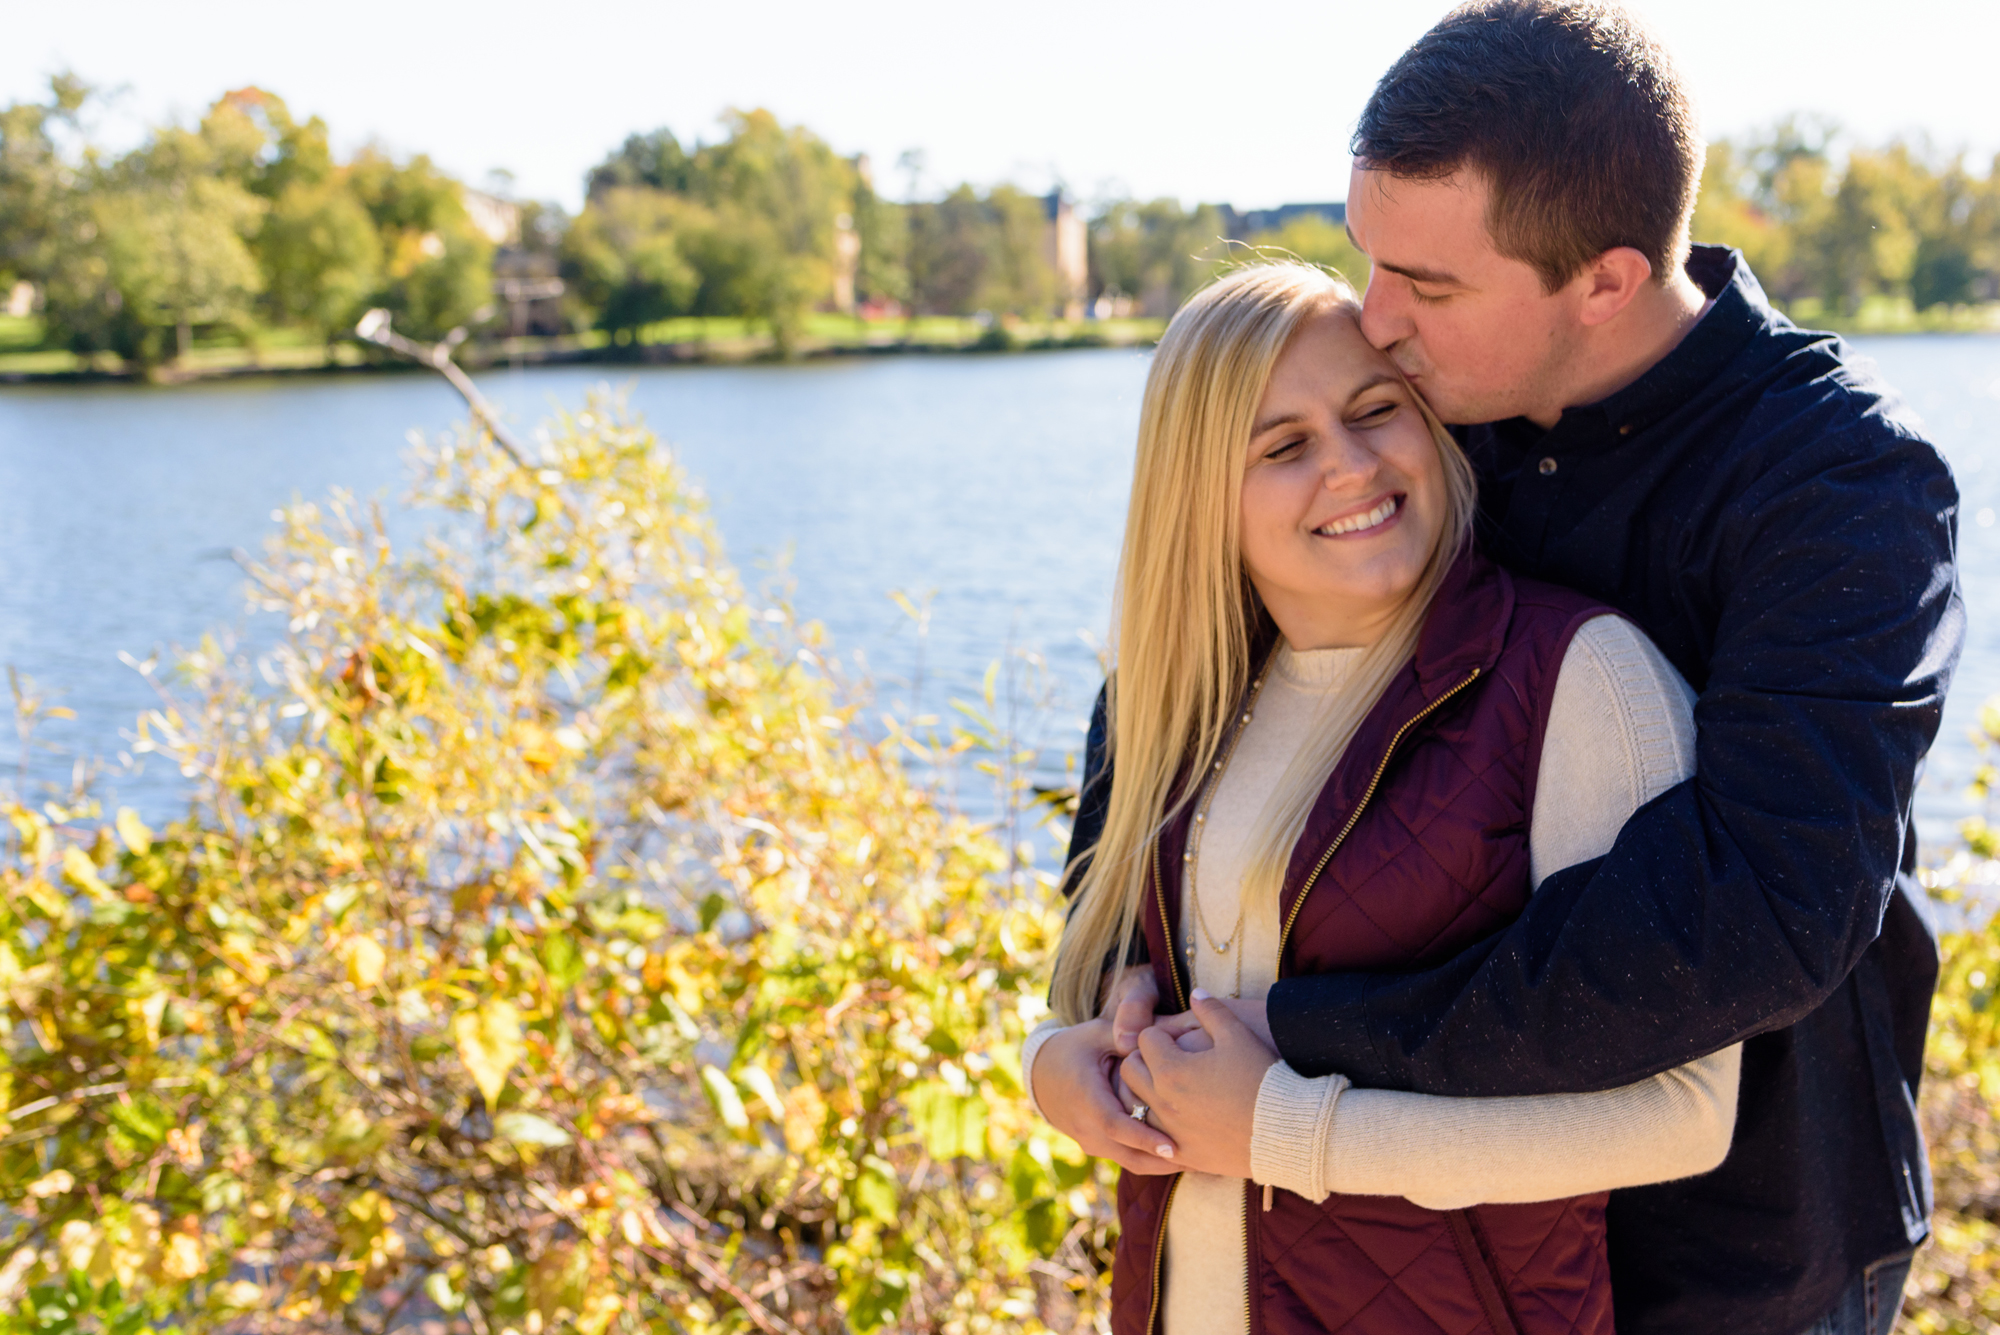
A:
(1073, 1077)
(1205, 1099)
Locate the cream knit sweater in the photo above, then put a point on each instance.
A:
(1620, 732)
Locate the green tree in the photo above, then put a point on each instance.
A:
(626, 256)
(1157, 252)
(1726, 213)
(753, 216)
(317, 249)
(882, 271)
(949, 251)
(775, 191)
(320, 255)
(437, 267)
(38, 183)
(1864, 242)
(163, 247)
(1018, 277)
(655, 161)
(178, 253)
(1317, 241)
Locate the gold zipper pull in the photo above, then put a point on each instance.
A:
(1267, 1196)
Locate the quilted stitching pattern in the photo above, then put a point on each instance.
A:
(1437, 861)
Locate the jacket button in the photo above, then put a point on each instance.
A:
(1547, 466)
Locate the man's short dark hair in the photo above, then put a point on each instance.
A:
(1571, 111)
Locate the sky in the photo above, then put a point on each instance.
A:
(1150, 99)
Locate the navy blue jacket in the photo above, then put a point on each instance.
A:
(1765, 509)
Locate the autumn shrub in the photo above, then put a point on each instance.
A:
(548, 944)
(1955, 1286)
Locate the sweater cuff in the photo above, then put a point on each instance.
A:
(1291, 1129)
(1030, 1047)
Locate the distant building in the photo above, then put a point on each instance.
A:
(1242, 225)
(846, 262)
(497, 219)
(1066, 247)
(528, 292)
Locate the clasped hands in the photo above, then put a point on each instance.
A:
(1196, 1073)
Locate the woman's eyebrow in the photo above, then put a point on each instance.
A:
(1379, 378)
(1273, 423)
(1295, 419)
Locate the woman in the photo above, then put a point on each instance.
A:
(1343, 740)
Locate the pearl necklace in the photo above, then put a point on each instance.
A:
(1191, 859)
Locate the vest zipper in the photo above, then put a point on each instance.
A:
(1249, 1268)
(1173, 950)
(1373, 783)
(1180, 994)
(1160, 1258)
(1173, 971)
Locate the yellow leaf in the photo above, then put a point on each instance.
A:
(728, 1103)
(758, 1081)
(77, 1244)
(81, 874)
(133, 831)
(153, 1010)
(805, 1117)
(55, 1184)
(364, 961)
(183, 1259)
(489, 1043)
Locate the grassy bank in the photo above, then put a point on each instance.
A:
(1897, 315)
(707, 339)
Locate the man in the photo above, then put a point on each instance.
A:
(1655, 435)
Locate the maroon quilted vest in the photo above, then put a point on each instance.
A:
(1416, 848)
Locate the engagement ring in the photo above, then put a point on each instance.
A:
(1139, 1112)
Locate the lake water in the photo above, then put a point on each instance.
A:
(992, 485)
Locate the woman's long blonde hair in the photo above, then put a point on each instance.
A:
(1186, 619)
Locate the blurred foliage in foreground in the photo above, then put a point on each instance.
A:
(1955, 1288)
(546, 948)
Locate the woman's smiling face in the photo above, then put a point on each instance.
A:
(1343, 491)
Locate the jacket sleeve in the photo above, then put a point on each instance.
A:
(1736, 902)
(1093, 796)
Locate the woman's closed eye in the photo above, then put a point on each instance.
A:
(1287, 448)
(1375, 414)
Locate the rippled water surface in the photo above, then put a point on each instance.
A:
(995, 485)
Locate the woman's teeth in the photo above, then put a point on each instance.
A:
(1355, 523)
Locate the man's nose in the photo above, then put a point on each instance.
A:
(1385, 315)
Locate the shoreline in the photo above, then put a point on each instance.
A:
(347, 358)
(737, 349)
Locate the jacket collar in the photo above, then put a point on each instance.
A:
(1740, 310)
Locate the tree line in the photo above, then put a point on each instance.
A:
(1837, 225)
(243, 223)
(246, 224)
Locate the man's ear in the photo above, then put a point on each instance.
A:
(1609, 283)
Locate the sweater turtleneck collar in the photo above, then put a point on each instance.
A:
(1316, 669)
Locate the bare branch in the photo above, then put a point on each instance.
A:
(374, 328)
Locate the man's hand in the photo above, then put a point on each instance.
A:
(1073, 1084)
(1206, 1100)
(1137, 993)
(1250, 1013)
